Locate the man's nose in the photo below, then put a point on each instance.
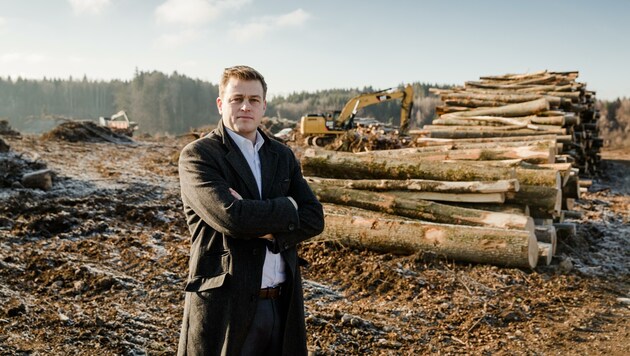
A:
(246, 105)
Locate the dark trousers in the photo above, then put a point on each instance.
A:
(265, 334)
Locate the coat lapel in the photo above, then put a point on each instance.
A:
(268, 167)
(236, 159)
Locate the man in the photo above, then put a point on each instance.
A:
(247, 207)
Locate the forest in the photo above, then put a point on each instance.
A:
(175, 104)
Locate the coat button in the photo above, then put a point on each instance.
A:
(291, 227)
(255, 251)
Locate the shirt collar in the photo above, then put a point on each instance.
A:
(242, 142)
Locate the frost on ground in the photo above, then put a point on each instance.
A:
(97, 265)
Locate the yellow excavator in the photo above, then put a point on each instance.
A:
(320, 129)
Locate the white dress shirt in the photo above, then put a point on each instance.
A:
(273, 269)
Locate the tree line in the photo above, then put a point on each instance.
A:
(158, 102)
(171, 104)
(614, 122)
(175, 104)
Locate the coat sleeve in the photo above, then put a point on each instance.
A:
(205, 190)
(310, 211)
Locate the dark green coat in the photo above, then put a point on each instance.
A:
(226, 257)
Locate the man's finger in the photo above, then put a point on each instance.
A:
(235, 194)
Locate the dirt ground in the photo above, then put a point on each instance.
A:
(96, 265)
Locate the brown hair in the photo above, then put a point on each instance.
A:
(242, 73)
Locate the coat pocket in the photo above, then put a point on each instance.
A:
(210, 272)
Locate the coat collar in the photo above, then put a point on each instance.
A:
(268, 162)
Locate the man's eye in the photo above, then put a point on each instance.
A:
(255, 100)
(236, 100)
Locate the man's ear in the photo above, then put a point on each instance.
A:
(219, 103)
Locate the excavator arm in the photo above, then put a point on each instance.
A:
(351, 108)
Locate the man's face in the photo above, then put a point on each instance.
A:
(242, 106)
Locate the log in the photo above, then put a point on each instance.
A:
(520, 109)
(541, 177)
(378, 232)
(457, 132)
(328, 164)
(542, 201)
(497, 198)
(41, 179)
(565, 231)
(548, 120)
(570, 214)
(464, 97)
(478, 128)
(547, 234)
(571, 187)
(532, 154)
(544, 253)
(560, 167)
(485, 121)
(500, 186)
(499, 208)
(514, 77)
(585, 183)
(428, 141)
(393, 204)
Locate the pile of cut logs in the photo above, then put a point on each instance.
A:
(512, 105)
(497, 200)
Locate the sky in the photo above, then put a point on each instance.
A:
(301, 45)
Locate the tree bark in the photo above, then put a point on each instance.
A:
(379, 232)
(458, 132)
(520, 109)
(543, 201)
(420, 209)
(500, 186)
(541, 153)
(497, 198)
(499, 208)
(541, 177)
(327, 164)
(427, 141)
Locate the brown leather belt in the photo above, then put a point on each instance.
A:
(270, 293)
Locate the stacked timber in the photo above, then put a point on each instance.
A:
(515, 105)
(478, 200)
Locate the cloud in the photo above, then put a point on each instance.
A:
(258, 29)
(14, 57)
(194, 12)
(89, 7)
(172, 40)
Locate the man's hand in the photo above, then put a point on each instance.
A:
(235, 194)
(239, 197)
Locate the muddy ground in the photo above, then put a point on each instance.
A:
(96, 266)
